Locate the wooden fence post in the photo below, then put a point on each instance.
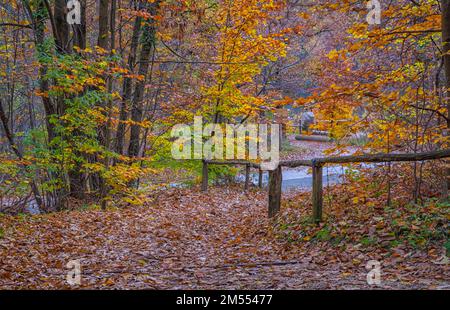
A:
(317, 193)
(247, 177)
(280, 138)
(205, 176)
(260, 178)
(275, 179)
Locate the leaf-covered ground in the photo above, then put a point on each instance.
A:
(216, 240)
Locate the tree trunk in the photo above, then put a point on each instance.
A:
(127, 87)
(446, 52)
(103, 18)
(10, 137)
(56, 199)
(80, 30)
(137, 109)
(104, 185)
(44, 86)
(62, 27)
(62, 32)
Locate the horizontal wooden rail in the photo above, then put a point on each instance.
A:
(314, 138)
(296, 163)
(276, 176)
(384, 158)
(317, 165)
(233, 162)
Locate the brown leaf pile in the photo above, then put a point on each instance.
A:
(186, 239)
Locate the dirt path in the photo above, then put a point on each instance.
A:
(185, 239)
(314, 149)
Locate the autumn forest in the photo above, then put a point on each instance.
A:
(224, 144)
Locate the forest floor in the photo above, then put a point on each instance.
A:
(185, 239)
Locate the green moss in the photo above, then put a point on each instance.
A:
(324, 234)
(368, 241)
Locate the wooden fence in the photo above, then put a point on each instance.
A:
(248, 165)
(276, 177)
